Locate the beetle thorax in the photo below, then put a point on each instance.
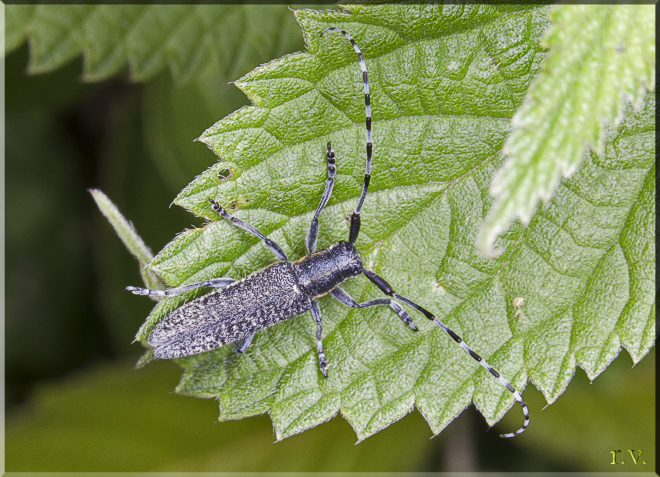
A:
(320, 272)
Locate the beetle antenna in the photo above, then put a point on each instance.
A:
(387, 289)
(355, 216)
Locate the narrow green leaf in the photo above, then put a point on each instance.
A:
(445, 82)
(600, 57)
(130, 238)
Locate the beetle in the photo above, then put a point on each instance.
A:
(239, 309)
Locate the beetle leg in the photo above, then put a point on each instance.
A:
(241, 345)
(276, 249)
(216, 283)
(347, 300)
(316, 313)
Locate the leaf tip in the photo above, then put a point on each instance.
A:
(488, 233)
(98, 195)
(146, 358)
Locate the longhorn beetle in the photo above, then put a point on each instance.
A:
(239, 309)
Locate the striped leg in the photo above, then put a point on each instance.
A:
(347, 300)
(279, 253)
(355, 216)
(316, 313)
(313, 233)
(387, 289)
(216, 283)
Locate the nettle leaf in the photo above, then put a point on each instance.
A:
(600, 57)
(188, 38)
(570, 289)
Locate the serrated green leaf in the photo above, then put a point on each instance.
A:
(15, 28)
(600, 56)
(189, 38)
(445, 81)
(70, 425)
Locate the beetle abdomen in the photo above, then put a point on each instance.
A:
(263, 299)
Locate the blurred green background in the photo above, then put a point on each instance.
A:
(74, 401)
